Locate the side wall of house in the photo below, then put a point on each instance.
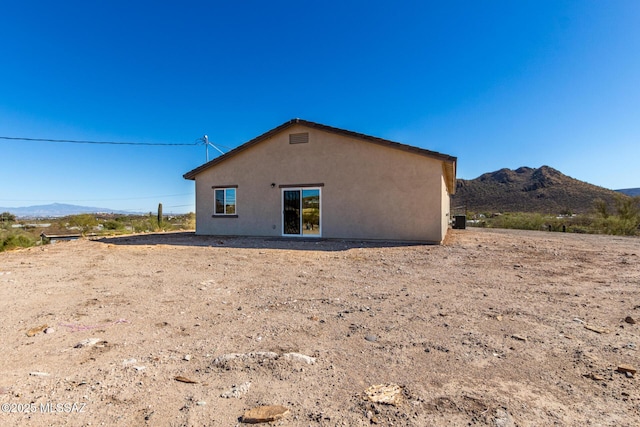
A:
(368, 191)
(446, 208)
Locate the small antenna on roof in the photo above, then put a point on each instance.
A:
(205, 140)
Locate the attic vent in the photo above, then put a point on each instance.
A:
(298, 138)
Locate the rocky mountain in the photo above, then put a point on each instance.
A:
(55, 210)
(543, 190)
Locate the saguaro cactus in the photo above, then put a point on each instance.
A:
(159, 214)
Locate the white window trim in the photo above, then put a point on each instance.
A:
(224, 192)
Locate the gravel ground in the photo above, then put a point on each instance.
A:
(496, 327)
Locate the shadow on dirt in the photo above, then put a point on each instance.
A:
(191, 239)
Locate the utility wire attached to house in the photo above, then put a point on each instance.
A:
(72, 141)
(205, 141)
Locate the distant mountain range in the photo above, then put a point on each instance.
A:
(633, 192)
(543, 190)
(525, 189)
(55, 210)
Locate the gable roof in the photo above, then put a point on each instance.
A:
(448, 162)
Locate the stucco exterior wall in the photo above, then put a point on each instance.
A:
(369, 191)
(445, 209)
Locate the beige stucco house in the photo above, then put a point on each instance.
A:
(304, 179)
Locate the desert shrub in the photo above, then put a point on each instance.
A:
(566, 212)
(13, 240)
(619, 226)
(113, 225)
(601, 208)
(144, 224)
(536, 221)
(7, 217)
(579, 230)
(626, 219)
(521, 221)
(583, 221)
(189, 221)
(628, 208)
(84, 222)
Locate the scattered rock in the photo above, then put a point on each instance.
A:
(237, 390)
(34, 331)
(371, 338)
(89, 342)
(503, 418)
(389, 394)
(49, 331)
(260, 355)
(630, 320)
(626, 368)
(596, 329)
(185, 380)
(297, 357)
(518, 337)
(410, 351)
(263, 355)
(187, 357)
(594, 377)
(264, 414)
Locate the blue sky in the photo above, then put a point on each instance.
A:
(495, 83)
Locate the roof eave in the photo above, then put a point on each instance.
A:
(192, 174)
(446, 159)
(449, 171)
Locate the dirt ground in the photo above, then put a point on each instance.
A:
(499, 328)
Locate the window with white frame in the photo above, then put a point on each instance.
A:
(225, 201)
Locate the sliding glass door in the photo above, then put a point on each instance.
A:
(301, 212)
(291, 223)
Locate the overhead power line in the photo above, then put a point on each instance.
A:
(72, 141)
(95, 200)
